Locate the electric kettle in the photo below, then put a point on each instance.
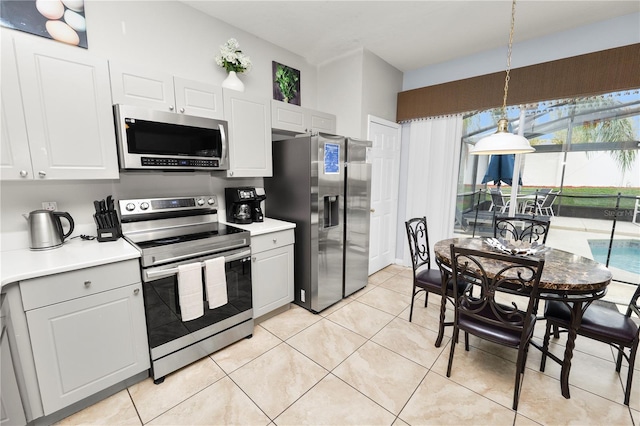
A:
(45, 229)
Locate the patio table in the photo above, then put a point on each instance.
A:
(574, 280)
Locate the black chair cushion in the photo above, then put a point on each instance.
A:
(598, 322)
(491, 331)
(429, 279)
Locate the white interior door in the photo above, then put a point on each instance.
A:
(385, 174)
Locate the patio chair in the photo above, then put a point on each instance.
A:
(482, 315)
(498, 201)
(601, 322)
(521, 228)
(544, 206)
(425, 279)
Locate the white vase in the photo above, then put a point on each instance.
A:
(233, 82)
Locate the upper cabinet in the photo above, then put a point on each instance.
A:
(293, 118)
(57, 121)
(139, 86)
(249, 120)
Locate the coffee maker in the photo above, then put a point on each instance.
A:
(243, 204)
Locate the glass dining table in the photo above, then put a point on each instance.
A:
(569, 278)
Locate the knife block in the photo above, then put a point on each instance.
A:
(108, 234)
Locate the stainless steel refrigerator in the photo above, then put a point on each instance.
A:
(330, 205)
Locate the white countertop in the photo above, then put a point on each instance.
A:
(23, 264)
(74, 254)
(258, 228)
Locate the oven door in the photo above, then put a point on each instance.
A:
(167, 332)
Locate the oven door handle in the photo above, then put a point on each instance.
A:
(200, 253)
(150, 275)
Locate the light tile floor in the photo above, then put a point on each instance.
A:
(361, 362)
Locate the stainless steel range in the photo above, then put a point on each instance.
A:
(170, 232)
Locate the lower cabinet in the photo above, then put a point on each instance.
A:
(272, 271)
(86, 344)
(11, 410)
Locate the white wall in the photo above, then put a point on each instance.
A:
(148, 33)
(177, 39)
(596, 168)
(340, 91)
(355, 85)
(381, 83)
(180, 40)
(616, 32)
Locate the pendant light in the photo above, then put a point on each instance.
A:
(502, 141)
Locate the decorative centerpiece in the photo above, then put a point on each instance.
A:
(516, 248)
(234, 61)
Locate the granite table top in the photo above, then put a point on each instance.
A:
(563, 272)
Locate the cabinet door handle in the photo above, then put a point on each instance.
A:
(275, 240)
(253, 258)
(24, 173)
(181, 109)
(170, 107)
(87, 283)
(136, 291)
(373, 210)
(42, 174)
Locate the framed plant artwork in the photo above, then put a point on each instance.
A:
(286, 83)
(63, 21)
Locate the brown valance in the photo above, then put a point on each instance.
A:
(585, 75)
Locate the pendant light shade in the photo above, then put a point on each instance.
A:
(502, 142)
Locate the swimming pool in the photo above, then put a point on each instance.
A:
(625, 254)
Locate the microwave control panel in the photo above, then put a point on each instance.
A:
(177, 162)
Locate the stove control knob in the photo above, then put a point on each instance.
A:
(130, 207)
(200, 202)
(144, 205)
(211, 201)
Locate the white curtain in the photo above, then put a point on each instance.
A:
(432, 175)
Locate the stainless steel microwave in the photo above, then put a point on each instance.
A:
(157, 140)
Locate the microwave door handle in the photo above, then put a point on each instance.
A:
(223, 138)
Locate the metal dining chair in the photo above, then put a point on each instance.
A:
(479, 313)
(601, 322)
(425, 279)
(520, 228)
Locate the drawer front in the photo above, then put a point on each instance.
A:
(272, 240)
(65, 286)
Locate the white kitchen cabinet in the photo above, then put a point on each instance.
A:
(11, 409)
(294, 118)
(15, 156)
(272, 271)
(57, 121)
(139, 86)
(87, 330)
(249, 120)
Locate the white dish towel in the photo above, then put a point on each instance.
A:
(190, 295)
(215, 282)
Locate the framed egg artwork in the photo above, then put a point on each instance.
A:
(60, 20)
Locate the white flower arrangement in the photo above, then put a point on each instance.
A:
(231, 57)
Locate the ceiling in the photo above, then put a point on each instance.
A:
(406, 34)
